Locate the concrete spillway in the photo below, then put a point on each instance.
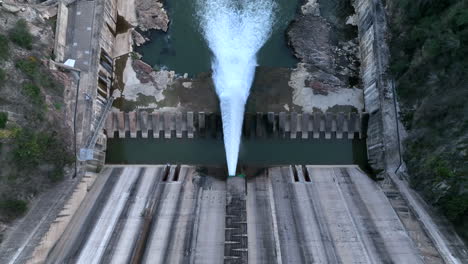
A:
(294, 214)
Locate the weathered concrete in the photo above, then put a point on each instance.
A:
(61, 32)
(323, 215)
(188, 217)
(235, 244)
(294, 125)
(383, 141)
(378, 93)
(291, 214)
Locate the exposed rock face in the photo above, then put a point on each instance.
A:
(151, 15)
(145, 74)
(138, 39)
(311, 8)
(309, 37)
(329, 69)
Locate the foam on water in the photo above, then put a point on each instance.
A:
(235, 31)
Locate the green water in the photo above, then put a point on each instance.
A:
(184, 50)
(257, 152)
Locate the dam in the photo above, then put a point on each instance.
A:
(291, 214)
(312, 171)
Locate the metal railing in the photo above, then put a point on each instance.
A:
(87, 152)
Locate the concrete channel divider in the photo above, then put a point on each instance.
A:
(260, 125)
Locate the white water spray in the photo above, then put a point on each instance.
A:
(235, 31)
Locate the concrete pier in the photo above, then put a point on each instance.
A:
(179, 124)
(306, 125)
(190, 127)
(316, 125)
(155, 121)
(143, 122)
(286, 125)
(259, 125)
(201, 124)
(293, 125)
(272, 126)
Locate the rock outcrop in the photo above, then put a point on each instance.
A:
(329, 62)
(151, 15)
(309, 37)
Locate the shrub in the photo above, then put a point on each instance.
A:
(29, 66)
(2, 76)
(20, 34)
(58, 106)
(3, 119)
(455, 206)
(33, 149)
(4, 48)
(29, 149)
(34, 93)
(13, 208)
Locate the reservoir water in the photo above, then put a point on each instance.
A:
(184, 50)
(253, 152)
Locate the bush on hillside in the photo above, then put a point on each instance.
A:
(31, 67)
(4, 48)
(2, 76)
(28, 66)
(3, 119)
(20, 34)
(34, 93)
(34, 148)
(12, 208)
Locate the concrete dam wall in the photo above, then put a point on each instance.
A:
(378, 93)
(190, 124)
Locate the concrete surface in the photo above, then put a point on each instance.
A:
(323, 215)
(295, 214)
(80, 19)
(338, 125)
(189, 217)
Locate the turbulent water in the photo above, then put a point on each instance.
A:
(235, 30)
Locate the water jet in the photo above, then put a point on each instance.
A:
(235, 32)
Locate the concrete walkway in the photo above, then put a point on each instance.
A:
(27, 233)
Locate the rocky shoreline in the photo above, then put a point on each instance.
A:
(150, 15)
(328, 69)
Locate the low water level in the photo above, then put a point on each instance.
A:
(184, 50)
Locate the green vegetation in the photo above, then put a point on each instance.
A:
(2, 76)
(58, 106)
(33, 149)
(4, 48)
(429, 49)
(31, 67)
(12, 208)
(34, 93)
(20, 34)
(3, 119)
